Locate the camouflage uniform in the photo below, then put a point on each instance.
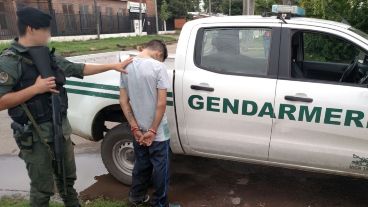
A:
(36, 152)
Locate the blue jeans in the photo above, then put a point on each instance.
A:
(151, 164)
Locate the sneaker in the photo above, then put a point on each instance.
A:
(135, 203)
(169, 205)
(174, 205)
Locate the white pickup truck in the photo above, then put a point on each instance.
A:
(289, 92)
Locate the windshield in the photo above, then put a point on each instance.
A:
(357, 31)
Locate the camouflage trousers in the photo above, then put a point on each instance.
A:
(43, 175)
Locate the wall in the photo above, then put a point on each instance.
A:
(8, 17)
(179, 23)
(115, 5)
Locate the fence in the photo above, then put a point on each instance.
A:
(83, 22)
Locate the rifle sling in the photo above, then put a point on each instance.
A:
(33, 121)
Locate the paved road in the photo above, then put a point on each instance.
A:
(14, 179)
(9, 147)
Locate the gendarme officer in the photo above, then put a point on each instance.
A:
(27, 96)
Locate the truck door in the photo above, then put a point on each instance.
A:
(321, 101)
(225, 87)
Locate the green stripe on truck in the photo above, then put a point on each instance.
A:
(92, 85)
(100, 86)
(102, 95)
(92, 93)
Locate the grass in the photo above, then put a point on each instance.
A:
(3, 46)
(20, 202)
(104, 45)
(15, 202)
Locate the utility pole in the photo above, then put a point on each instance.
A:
(229, 7)
(51, 10)
(157, 30)
(97, 19)
(251, 5)
(209, 7)
(245, 7)
(52, 13)
(248, 7)
(140, 18)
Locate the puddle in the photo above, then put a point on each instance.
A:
(14, 178)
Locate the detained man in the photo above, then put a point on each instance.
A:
(143, 100)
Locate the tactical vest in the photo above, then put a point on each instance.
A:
(39, 105)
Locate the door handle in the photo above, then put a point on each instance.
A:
(202, 88)
(298, 98)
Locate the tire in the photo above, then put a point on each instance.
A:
(117, 153)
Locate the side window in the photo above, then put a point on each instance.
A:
(237, 51)
(328, 48)
(326, 57)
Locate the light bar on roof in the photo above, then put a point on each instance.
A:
(287, 9)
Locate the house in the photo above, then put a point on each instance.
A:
(7, 21)
(77, 17)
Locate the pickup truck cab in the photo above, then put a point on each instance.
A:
(284, 92)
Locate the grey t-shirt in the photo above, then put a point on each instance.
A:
(144, 77)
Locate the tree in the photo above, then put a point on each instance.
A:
(236, 7)
(216, 6)
(358, 14)
(263, 6)
(164, 13)
(351, 11)
(180, 8)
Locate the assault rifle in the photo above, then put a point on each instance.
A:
(41, 58)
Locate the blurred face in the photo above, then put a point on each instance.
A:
(39, 37)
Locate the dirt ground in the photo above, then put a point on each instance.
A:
(200, 182)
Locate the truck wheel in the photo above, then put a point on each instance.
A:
(117, 153)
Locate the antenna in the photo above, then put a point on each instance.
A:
(282, 17)
(343, 20)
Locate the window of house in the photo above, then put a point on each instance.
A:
(109, 11)
(84, 12)
(121, 11)
(238, 51)
(69, 17)
(3, 23)
(84, 9)
(68, 9)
